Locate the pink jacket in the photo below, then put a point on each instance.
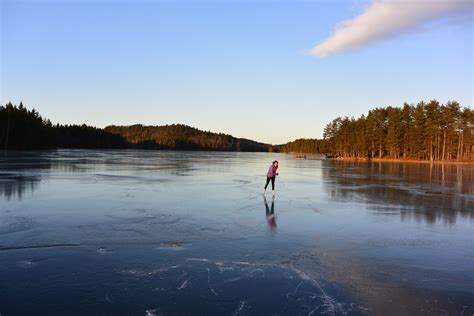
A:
(272, 171)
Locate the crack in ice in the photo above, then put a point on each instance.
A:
(209, 282)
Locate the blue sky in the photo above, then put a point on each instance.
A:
(239, 67)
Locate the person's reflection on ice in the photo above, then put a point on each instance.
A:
(270, 214)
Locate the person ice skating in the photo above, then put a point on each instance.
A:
(271, 174)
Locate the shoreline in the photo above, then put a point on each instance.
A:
(361, 159)
(449, 162)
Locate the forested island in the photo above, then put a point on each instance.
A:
(425, 131)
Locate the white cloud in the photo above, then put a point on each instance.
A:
(384, 19)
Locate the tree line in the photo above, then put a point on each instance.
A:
(425, 131)
(21, 128)
(306, 145)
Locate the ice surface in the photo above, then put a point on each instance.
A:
(162, 232)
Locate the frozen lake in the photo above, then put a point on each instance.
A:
(158, 232)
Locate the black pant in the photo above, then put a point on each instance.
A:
(268, 181)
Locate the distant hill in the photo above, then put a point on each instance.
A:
(183, 137)
(21, 128)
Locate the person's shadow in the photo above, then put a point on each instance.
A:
(270, 214)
